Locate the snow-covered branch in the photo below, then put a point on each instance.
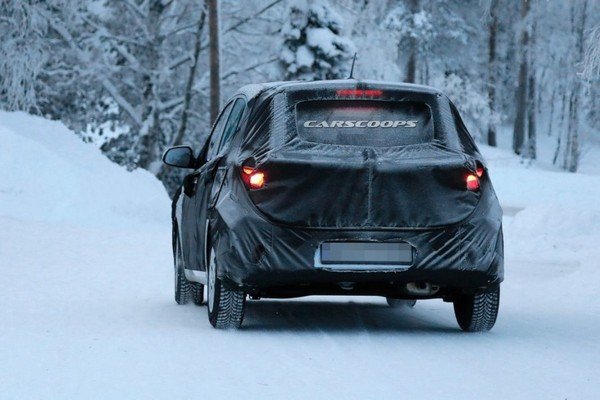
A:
(591, 61)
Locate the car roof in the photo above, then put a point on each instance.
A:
(253, 90)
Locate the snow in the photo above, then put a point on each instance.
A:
(87, 308)
(304, 57)
(55, 177)
(519, 185)
(323, 39)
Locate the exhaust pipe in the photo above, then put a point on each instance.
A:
(421, 288)
(346, 285)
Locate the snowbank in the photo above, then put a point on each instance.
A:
(520, 185)
(553, 217)
(49, 174)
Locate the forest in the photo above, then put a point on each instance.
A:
(137, 76)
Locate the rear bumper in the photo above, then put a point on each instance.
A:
(258, 256)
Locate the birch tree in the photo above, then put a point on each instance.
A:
(572, 151)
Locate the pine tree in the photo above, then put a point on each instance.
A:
(313, 45)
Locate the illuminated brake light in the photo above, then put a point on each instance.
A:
(257, 180)
(359, 92)
(253, 178)
(472, 182)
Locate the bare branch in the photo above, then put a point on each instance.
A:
(251, 17)
(179, 29)
(134, 7)
(171, 103)
(85, 58)
(190, 81)
(247, 19)
(181, 60)
(250, 68)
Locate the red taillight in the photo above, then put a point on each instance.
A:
(253, 178)
(479, 171)
(359, 92)
(472, 182)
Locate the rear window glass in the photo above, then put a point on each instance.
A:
(364, 122)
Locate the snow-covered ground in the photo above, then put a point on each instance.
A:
(86, 308)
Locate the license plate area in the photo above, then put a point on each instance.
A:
(366, 254)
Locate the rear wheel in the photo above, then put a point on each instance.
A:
(477, 312)
(182, 285)
(225, 307)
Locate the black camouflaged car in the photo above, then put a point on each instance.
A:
(337, 187)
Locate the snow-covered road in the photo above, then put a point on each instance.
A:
(88, 313)
(86, 307)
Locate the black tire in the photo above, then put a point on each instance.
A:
(182, 285)
(197, 293)
(477, 312)
(225, 307)
(398, 303)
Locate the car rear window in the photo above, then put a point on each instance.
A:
(364, 122)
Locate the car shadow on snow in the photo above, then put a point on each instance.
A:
(298, 315)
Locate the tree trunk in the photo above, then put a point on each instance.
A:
(411, 65)
(215, 80)
(562, 128)
(573, 151)
(551, 115)
(531, 102)
(531, 120)
(493, 29)
(521, 96)
(151, 132)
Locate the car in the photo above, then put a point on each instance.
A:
(339, 187)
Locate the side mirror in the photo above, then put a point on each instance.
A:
(180, 157)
